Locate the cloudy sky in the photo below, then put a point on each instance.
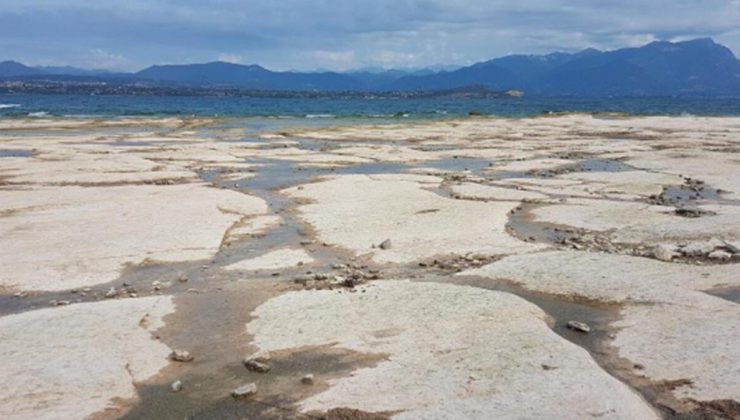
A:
(342, 34)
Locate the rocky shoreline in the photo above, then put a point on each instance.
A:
(569, 266)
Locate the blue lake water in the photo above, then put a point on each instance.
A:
(393, 109)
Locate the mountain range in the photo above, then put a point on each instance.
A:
(697, 67)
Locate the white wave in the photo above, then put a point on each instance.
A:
(38, 114)
(320, 116)
(6, 106)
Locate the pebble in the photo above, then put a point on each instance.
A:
(579, 326)
(262, 356)
(255, 366)
(244, 391)
(664, 252)
(176, 386)
(307, 380)
(732, 248)
(111, 293)
(385, 244)
(700, 249)
(183, 279)
(720, 255)
(181, 356)
(258, 362)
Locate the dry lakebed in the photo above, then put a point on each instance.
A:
(567, 266)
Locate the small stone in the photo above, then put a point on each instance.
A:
(700, 249)
(720, 255)
(339, 279)
(183, 279)
(339, 266)
(244, 391)
(664, 252)
(181, 356)
(307, 380)
(255, 366)
(732, 247)
(385, 244)
(579, 326)
(176, 386)
(262, 356)
(111, 293)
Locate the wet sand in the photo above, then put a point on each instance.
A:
(419, 270)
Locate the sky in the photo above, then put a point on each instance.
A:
(342, 34)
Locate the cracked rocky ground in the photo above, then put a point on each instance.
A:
(570, 266)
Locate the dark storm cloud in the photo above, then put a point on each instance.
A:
(341, 34)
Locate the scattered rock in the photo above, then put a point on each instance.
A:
(720, 255)
(579, 326)
(255, 366)
(665, 252)
(244, 391)
(307, 380)
(689, 212)
(111, 293)
(700, 249)
(181, 356)
(258, 362)
(183, 279)
(385, 245)
(732, 247)
(262, 356)
(176, 386)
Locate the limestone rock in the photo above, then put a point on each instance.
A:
(665, 252)
(181, 356)
(244, 391)
(579, 326)
(176, 386)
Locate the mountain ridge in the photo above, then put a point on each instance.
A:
(661, 68)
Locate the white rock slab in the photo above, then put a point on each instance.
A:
(668, 325)
(73, 361)
(68, 237)
(494, 193)
(452, 352)
(357, 211)
(635, 223)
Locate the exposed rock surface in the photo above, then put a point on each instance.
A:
(668, 325)
(357, 211)
(69, 237)
(485, 349)
(77, 360)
